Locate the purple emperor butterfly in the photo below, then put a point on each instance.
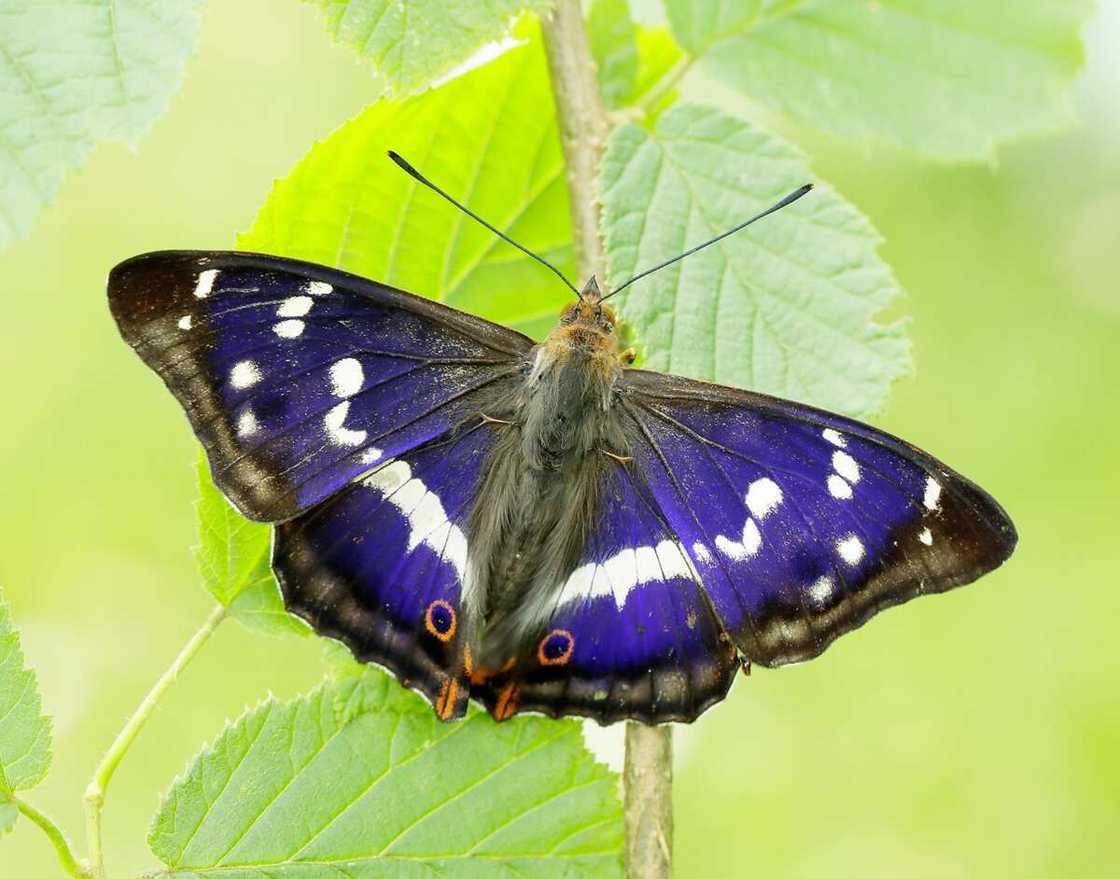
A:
(537, 526)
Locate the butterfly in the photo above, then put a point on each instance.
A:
(540, 527)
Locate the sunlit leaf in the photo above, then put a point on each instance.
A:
(784, 307)
(657, 55)
(233, 556)
(489, 138)
(25, 733)
(946, 78)
(359, 779)
(411, 44)
(615, 48)
(73, 73)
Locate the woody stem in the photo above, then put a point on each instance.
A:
(582, 118)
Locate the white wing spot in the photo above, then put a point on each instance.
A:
(834, 437)
(318, 288)
(288, 329)
(926, 537)
(247, 424)
(763, 495)
(390, 477)
(347, 377)
(185, 322)
(334, 421)
(846, 466)
(702, 553)
(621, 570)
(850, 549)
(932, 499)
(423, 511)
(675, 561)
(743, 549)
(205, 285)
(821, 590)
(295, 306)
(838, 488)
(372, 455)
(624, 571)
(244, 374)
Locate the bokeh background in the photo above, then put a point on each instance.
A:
(975, 734)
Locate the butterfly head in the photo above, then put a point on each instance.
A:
(589, 314)
(586, 325)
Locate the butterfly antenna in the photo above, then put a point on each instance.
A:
(420, 178)
(788, 200)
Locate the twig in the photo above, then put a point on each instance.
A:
(95, 791)
(583, 128)
(648, 780)
(56, 836)
(583, 132)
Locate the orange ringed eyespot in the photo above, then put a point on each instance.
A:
(556, 647)
(440, 620)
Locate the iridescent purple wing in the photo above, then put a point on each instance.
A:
(298, 378)
(803, 524)
(630, 634)
(382, 566)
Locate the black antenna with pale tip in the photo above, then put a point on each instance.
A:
(788, 200)
(420, 178)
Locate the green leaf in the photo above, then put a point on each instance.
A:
(73, 73)
(358, 779)
(945, 78)
(412, 44)
(615, 48)
(784, 307)
(488, 138)
(233, 556)
(657, 55)
(697, 24)
(25, 733)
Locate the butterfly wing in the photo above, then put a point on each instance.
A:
(299, 378)
(382, 565)
(803, 524)
(629, 634)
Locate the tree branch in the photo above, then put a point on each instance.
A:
(582, 118)
(648, 781)
(583, 129)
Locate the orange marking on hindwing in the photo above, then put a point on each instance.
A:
(445, 702)
(507, 702)
(483, 674)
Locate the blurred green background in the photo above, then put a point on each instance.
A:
(976, 734)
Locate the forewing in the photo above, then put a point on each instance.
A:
(382, 566)
(803, 524)
(298, 378)
(631, 633)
